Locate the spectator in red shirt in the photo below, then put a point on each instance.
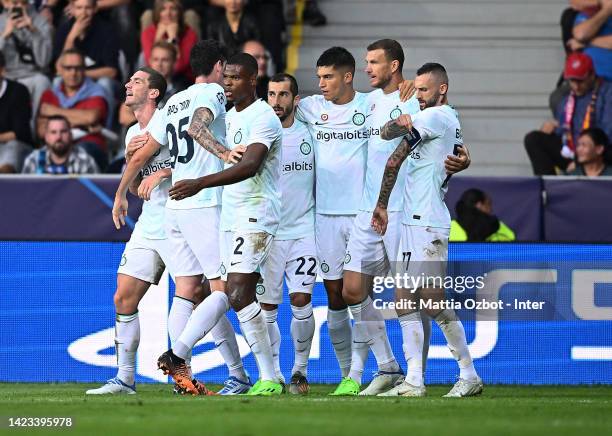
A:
(168, 25)
(81, 101)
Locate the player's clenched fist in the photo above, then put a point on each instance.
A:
(185, 188)
(380, 219)
(150, 183)
(120, 210)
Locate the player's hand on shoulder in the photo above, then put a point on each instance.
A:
(185, 188)
(380, 219)
(453, 164)
(120, 210)
(549, 126)
(406, 89)
(235, 155)
(136, 143)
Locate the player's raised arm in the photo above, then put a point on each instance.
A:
(251, 161)
(133, 167)
(198, 130)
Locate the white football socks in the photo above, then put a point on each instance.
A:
(412, 335)
(256, 334)
(275, 340)
(455, 338)
(202, 320)
(302, 332)
(177, 320)
(339, 327)
(127, 338)
(225, 340)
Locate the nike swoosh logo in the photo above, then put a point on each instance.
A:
(320, 124)
(235, 263)
(306, 284)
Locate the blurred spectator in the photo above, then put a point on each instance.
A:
(168, 25)
(235, 27)
(258, 51)
(96, 39)
(59, 155)
(475, 220)
(26, 43)
(592, 33)
(312, 14)
(589, 104)
(568, 17)
(15, 114)
(591, 152)
(81, 101)
(163, 57)
(193, 13)
(270, 18)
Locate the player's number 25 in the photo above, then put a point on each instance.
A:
(182, 134)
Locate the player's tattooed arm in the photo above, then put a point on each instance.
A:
(400, 126)
(198, 130)
(392, 168)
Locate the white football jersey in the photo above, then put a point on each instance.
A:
(254, 203)
(189, 159)
(151, 220)
(383, 108)
(296, 184)
(424, 188)
(340, 139)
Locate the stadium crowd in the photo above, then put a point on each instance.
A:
(65, 62)
(577, 140)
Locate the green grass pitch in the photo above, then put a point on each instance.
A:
(511, 410)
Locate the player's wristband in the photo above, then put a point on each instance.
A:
(413, 138)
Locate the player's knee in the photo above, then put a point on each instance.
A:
(299, 299)
(237, 295)
(352, 294)
(200, 292)
(125, 302)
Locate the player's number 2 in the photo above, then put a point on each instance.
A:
(182, 134)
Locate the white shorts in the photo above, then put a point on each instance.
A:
(194, 241)
(249, 251)
(226, 240)
(423, 251)
(332, 234)
(296, 261)
(367, 251)
(145, 259)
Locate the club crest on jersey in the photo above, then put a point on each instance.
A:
(324, 117)
(220, 97)
(395, 113)
(325, 267)
(260, 289)
(123, 260)
(222, 269)
(347, 258)
(238, 137)
(358, 118)
(305, 148)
